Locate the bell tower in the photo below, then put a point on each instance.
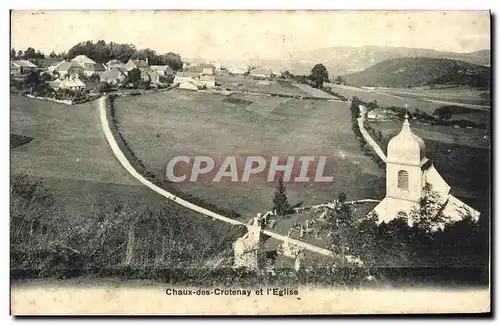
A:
(404, 174)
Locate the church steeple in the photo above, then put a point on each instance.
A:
(406, 147)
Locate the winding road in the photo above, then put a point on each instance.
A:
(205, 212)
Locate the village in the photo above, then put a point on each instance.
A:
(84, 78)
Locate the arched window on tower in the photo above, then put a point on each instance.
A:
(403, 180)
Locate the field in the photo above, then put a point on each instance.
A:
(426, 100)
(163, 125)
(463, 94)
(69, 152)
(278, 87)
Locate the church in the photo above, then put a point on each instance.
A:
(407, 172)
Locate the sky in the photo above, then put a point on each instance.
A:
(255, 34)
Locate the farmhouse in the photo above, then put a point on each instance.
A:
(68, 68)
(408, 171)
(83, 60)
(72, 83)
(93, 68)
(201, 69)
(377, 114)
(137, 64)
(150, 75)
(114, 75)
(21, 67)
(162, 70)
(115, 64)
(238, 71)
(261, 73)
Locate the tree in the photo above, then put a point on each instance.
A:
(280, 200)
(319, 75)
(340, 80)
(52, 55)
(172, 60)
(134, 77)
(102, 87)
(428, 215)
(13, 53)
(444, 113)
(286, 75)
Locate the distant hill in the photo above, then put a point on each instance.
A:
(345, 59)
(420, 71)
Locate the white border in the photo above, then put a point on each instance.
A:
(196, 4)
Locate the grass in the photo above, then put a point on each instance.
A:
(414, 98)
(163, 125)
(247, 83)
(70, 154)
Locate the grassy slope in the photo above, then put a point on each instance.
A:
(419, 71)
(160, 126)
(70, 153)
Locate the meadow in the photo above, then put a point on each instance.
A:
(426, 100)
(163, 125)
(94, 202)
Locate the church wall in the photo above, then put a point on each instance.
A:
(415, 182)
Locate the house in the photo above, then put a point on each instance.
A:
(72, 83)
(376, 114)
(261, 73)
(114, 64)
(71, 68)
(194, 69)
(93, 68)
(114, 76)
(83, 60)
(137, 64)
(208, 80)
(235, 70)
(207, 69)
(162, 70)
(18, 67)
(185, 76)
(150, 75)
(408, 174)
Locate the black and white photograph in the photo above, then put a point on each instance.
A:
(293, 162)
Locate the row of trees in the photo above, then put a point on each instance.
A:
(29, 54)
(318, 76)
(103, 52)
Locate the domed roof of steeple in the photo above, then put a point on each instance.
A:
(406, 147)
